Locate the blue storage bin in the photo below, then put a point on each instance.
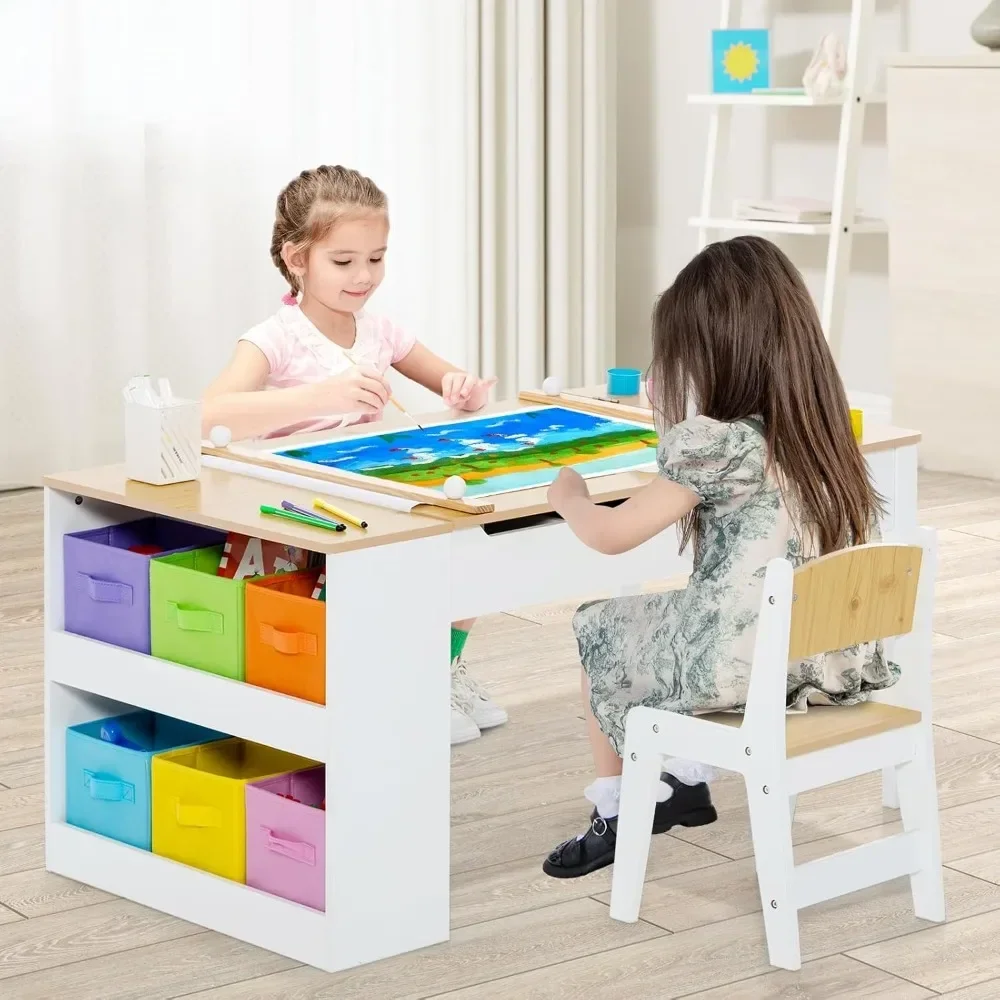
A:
(108, 787)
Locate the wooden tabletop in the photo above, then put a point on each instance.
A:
(876, 437)
(231, 502)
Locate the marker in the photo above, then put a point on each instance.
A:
(288, 505)
(314, 522)
(342, 514)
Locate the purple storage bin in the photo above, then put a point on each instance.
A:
(286, 840)
(106, 586)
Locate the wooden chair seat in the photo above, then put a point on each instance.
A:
(826, 726)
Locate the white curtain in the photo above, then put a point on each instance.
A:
(543, 146)
(142, 145)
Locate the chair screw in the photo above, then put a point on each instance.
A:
(774, 904)
(770, 600)
(656, 728)
(633, 756)
(747, 751)
(767, 791)
(78, 501)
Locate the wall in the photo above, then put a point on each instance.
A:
(662, 57)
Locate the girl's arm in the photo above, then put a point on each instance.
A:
(236, 398)
(613, 530)
(459, 389)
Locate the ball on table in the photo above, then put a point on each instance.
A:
(552, 386)
(454, 487)
(220, 436)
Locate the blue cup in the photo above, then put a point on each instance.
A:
(623, 381)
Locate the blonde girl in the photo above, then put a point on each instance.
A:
(322, 357)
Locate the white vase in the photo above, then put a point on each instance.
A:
(986, 28)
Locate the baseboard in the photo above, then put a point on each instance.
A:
(877, 408)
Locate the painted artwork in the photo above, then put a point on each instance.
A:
(740, 60)
(498, 453)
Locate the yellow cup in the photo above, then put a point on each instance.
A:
(858, 424)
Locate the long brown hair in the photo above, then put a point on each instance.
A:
(737, 336)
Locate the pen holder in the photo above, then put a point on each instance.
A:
(163, 443)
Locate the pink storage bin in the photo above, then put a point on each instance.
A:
(286, 840)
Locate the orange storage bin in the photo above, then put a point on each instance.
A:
(286, 635)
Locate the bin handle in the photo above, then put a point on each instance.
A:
(194, 619)
(203, 816)
(108, 789)
(107, 591)
(295, 850)
(289, 643)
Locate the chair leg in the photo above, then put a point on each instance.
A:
(771, 828)
(918, 804)
(640, 778)
(890, 793)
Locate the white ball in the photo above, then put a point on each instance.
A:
(552, 386)
(220, 436)
(454, 487)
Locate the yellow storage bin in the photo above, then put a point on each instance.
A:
(199, 801)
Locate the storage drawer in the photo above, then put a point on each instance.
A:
(286, 635)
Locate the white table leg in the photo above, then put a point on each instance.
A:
(388, 763)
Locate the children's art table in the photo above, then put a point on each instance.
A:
(383, 733)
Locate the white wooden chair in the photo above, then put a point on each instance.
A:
(856, 595)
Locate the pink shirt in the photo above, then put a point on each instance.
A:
(297, 354)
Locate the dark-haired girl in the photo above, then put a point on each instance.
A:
(757, 460)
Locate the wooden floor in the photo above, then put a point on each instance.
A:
(516, 793)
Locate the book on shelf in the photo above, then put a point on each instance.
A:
(783, 209)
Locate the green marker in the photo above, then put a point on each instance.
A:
(301, 518)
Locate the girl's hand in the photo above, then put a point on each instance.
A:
(567, 486)
(463, 391)
(358, 390)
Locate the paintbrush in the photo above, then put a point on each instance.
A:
(392, 399)
(406, 413)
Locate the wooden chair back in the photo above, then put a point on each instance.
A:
(853, 596)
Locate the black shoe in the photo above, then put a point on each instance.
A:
(690, 805)
(586, 854)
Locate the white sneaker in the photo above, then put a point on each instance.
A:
(485, 712)
(463, 728)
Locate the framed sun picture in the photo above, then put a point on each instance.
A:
(741, 60)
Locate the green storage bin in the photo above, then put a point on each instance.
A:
(196, 617)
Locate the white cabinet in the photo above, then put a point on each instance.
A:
(944, 257)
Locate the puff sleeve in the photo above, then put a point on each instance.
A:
(722, 463)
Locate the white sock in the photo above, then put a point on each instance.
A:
(689, 771)
(605, 793)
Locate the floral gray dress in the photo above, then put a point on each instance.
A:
(690, 650)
